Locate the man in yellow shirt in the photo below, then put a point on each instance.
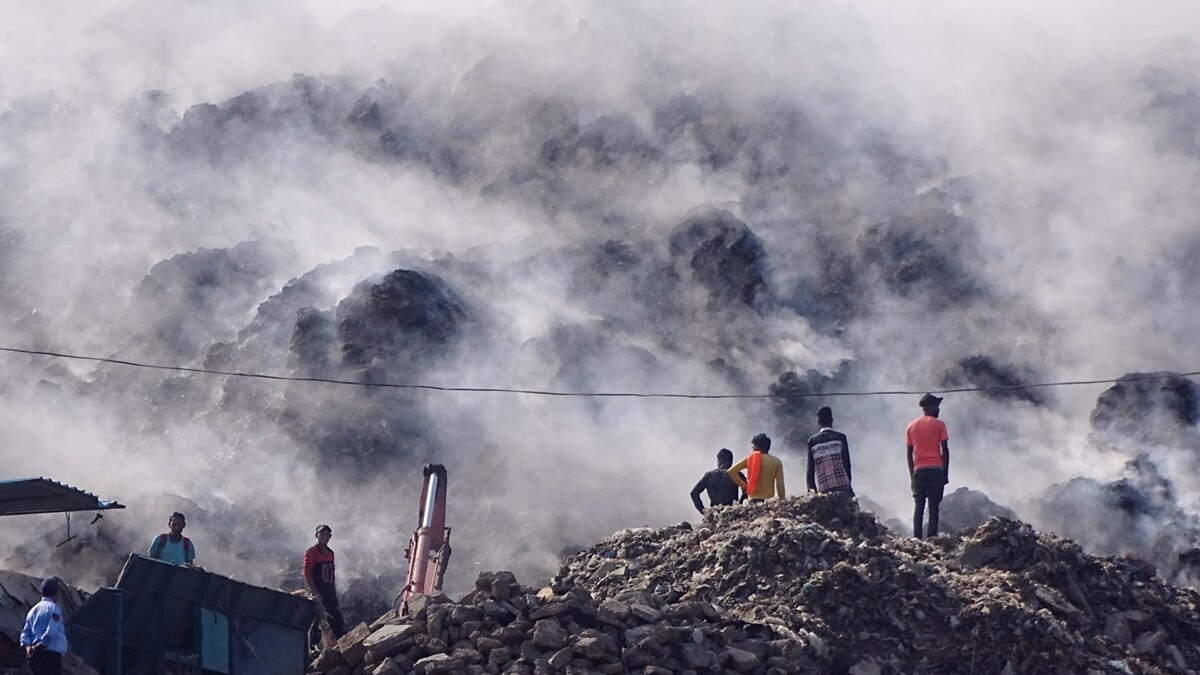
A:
(764, 473)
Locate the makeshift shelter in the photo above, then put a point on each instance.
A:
(163, 618)
(24, 496)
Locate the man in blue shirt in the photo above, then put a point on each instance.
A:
(45, 636)
(172, 546)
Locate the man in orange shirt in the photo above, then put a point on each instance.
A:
(928, 462)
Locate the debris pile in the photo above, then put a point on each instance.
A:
(803, 585)
(999, 598)
(502, 627)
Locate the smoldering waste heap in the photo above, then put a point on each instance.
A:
(804, 585)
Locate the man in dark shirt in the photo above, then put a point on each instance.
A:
(828, 457)
(722, 491)
(319, 575)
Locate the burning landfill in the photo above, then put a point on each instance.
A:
(801, 585)
(260, 268)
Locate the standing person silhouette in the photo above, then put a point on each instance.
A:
(172, 546)
(45, 636)
(828, 457)
(321, 579)
(928, 446)
(722, 490)
(764, 473)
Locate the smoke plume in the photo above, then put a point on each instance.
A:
(587, 197)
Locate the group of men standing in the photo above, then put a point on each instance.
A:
(318, 565)
(44, 636)
(760, 475)
(757, 477)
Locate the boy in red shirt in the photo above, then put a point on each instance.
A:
(928, 462)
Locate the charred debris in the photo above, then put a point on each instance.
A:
(804, 585)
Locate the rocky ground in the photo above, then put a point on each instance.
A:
(804, 585)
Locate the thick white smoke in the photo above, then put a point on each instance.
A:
(923, 184)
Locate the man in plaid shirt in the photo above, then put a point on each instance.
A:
(828, 457)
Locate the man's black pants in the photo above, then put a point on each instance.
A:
(336, 623)
(927, 485)
(333, 614)
(46, 662)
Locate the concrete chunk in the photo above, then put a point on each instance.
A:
(389, 639)
(351, 644)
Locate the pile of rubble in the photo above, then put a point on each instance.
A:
(803, 585)
(502, 627)
(999, 598)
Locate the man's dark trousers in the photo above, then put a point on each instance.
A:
(927, 485)
(46, 662)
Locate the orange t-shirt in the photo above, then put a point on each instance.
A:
(925, 434)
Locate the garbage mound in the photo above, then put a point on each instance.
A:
(802, 585)
(999, 598)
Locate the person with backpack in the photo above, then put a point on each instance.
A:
(172, 546)
(764, 473)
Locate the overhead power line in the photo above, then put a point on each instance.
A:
(581, 394)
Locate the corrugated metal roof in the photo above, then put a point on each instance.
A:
(42, 495)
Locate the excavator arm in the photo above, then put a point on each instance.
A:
(429, 548)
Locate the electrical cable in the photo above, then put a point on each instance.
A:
(595, 394)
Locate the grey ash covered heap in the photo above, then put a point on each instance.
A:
(803, 585)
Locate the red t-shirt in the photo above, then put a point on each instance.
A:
(925, 434)
(319, 571)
